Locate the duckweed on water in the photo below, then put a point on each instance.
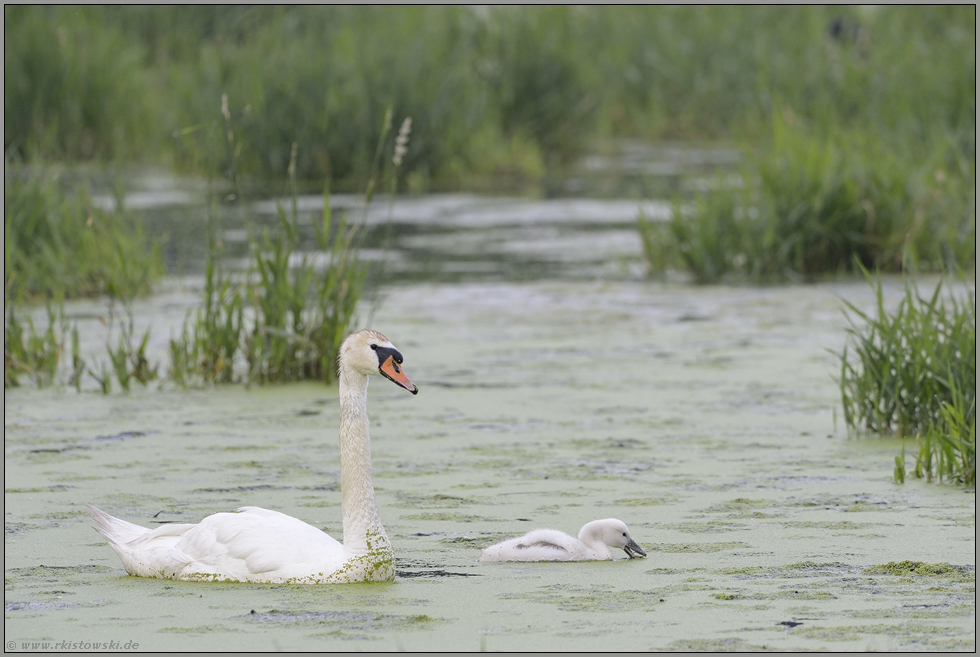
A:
(682, 548)
(568, 597)
(812, 566)
(829, 524)
(740, 505)
(726, 596)
(438, 501)
(706, 527)
(907, 568)
(714, 645)
(929, 637)
(643, 501)
(449, 517)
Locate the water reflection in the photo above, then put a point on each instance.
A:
(439, 238)
(586, 231)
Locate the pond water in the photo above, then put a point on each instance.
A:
(557, 386)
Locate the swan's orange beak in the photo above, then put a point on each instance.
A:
(391, 370)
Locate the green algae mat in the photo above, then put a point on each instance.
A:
(703, 417)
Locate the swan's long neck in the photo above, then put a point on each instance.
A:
(363, 532)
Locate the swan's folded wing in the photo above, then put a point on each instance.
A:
(256, 541)
(154, 553)
(168, 530)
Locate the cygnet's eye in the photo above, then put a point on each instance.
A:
(624, 533)
(374, 347)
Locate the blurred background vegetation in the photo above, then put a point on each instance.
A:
(495, 93)
(856, 125)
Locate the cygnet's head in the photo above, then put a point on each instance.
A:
(614, 533)
(369, 352)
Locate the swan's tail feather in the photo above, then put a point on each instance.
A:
(113, 529)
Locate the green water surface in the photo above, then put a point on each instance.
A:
(702, 417)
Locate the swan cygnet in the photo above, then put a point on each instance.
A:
(593, 544)
(258, 545)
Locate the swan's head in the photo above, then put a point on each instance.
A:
(369, 353)
(613, 533)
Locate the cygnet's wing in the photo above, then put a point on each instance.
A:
(537, 545)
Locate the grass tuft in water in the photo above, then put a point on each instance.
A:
(30, 352)
(816, 201)
(58, 245)
(128, 358)
(913, 373)
(286, 319)
(948, 448)
(205, 350)
(38, 354)
(301, 312)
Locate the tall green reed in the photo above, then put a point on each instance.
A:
(38, 354)
(947, 449)
(128, 358)
(59, 245)
(810, 204)
(28, 351)
(302, 310)
(206, 349)
(283, 319)
(912, 372)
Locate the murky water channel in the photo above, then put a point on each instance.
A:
(557, 387)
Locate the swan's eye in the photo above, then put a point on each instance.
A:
(374, 347)
(624, 533)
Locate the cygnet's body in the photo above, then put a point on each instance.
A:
(593, 544)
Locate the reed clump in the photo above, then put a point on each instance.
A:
(809, 205)
(912, 373)
(58, 245)
(40, 354)
(284, 320)
(28, 351)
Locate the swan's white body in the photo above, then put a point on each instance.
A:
(258, 545)
(593, 544)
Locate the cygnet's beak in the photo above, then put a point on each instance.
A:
(393, 371)
(633, 550)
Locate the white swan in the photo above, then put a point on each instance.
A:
(258, 545)
(592, 544)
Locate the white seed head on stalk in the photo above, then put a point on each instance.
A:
(401, 141)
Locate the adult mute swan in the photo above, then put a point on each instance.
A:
(258, 545)
(592, 544)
